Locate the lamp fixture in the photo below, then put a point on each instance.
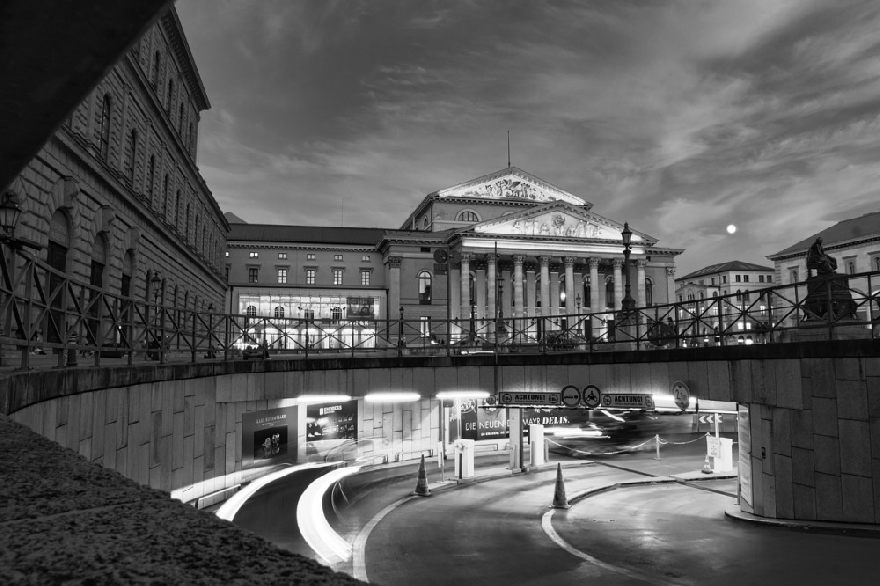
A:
(392, 397)
(9, 214)
(462, 394)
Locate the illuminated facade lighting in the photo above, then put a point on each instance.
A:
(392, 397)
(462, 394)
(306, 399)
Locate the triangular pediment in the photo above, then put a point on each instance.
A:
(557, 219)
(511, 184)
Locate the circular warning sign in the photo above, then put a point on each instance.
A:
(571, 396)
(592, 396)
(506, 398)
(681, 394)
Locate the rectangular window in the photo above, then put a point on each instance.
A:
(365, 258)
(309, 314)
(851, 266)
(253, 274)
(745, 278)
(282, 276)
(713, 280)
(425, 326)
(253, 254)
(760, 278)
(282, 256)
(310, 256)
(337, 257)
(310, 276)
(876, 261)
(724, 278)
(769, 279)
(738, 278)
(793, 276)
(365, 278)
(337, 276)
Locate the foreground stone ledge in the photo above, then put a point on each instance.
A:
(66, 520)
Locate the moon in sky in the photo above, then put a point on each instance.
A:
(731, 228)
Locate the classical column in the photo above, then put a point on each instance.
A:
(594, 285)
(670, 284)
(480, 292)
(618, 283)
(545, 285)
(640, 282)
(465, 286)
(569, 285)
(454, 296)
(394, 287)
(491, 285)
(518, 286)
(530, 290)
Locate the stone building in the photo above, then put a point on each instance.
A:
(114, 198)
(506, 246)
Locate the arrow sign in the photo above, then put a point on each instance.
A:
(709, 418)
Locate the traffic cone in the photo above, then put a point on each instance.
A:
(707, 465)
(422, 484)
(559, 500)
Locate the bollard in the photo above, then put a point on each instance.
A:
(657, 440)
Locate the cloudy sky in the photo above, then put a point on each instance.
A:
(679, 116)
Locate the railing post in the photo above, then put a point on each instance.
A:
(99, 330)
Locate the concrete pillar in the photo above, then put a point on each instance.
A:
(618, 283)
(518, 286)
(569, 285)
(640, 282)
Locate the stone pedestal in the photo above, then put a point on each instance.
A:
(818, 331)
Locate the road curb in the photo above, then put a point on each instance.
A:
(822, 527)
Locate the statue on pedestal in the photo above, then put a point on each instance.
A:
(826, 290)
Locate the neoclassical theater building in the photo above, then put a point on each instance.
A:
(506, 245)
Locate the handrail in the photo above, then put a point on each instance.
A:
(48, 319)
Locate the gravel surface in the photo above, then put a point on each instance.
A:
(66, 520)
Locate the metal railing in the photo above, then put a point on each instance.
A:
(48, 319)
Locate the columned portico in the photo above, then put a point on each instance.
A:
(518, 286)
(640, 283)
(465, 286)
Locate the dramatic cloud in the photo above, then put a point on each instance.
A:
(681, 117)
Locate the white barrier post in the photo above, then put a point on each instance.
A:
(657, 441)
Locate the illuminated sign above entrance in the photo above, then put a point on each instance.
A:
(627, 401)
(553, 399)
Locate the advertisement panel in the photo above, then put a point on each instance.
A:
(268, 437)
(745, 459)
(331, 421)
(492, 423)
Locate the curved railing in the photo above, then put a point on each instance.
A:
(51, 320)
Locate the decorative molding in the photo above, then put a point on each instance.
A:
(670, 271)
(593, 262)
(569, 261)
(617, 263)
(394, 261)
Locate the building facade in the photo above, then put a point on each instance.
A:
(115, 199)
(735, 282)
(506, 247)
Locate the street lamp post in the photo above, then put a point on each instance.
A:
(628, 304)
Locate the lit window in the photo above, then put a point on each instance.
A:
(365, 258)
(254, 254)
(365, 277)
(251, 311)
(337, 276)
(337, 257)
(279, 311)
(282, 276)
(425, 288)
(253, 274)
(467, 216)
(425, 326)
(310, 256)
(310, 276)
(282, 256)
(227, 253)
(335, 314)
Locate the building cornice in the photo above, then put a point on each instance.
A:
(177, 39)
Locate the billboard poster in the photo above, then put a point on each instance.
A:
(268, 437)
(483, 423)
(331, 421)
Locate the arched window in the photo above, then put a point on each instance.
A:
(186, 226)
(279, 311)
(424, 288)
(702, 295)
(176, 218)
(251, 311)
(467, 216)
(649, 292)
(169, 100)
(104, 128)
(130, 155)
(738, 294)
(157, 65)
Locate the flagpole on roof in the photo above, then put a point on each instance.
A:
(508, 148)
